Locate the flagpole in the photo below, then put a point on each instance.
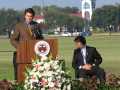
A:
(42, 7)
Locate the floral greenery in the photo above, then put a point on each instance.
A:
(112, 80)
(17, 86)
(112, 83)
(88, 84)
(46, 74)
(76, 85)
(54, 70)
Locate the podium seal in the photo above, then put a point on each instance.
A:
(42, 48)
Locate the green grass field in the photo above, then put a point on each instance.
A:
(108, 46)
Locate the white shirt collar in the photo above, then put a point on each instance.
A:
(84, 51)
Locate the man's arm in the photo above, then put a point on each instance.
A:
(97, 58)
(37, 31)
(39, 34)
(14, 37)
(41, 27)
(74, 65)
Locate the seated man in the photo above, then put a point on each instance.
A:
(86, 61)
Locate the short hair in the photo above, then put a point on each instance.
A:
(80, 39)
(29, 10)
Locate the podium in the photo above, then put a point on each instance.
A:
(25, 54)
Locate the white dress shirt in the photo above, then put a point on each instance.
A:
(84, 54)
(83, 51)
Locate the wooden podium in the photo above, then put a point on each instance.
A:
(25, 54)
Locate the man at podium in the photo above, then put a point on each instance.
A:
(25, 30)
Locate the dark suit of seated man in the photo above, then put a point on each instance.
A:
(86, 61)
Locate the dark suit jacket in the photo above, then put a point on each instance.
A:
(22, 32)
(92, 57)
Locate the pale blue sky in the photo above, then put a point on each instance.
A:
(21, 4)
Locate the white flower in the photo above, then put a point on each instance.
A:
(31, 86)
(51, 84)
(58, 70)
(31, 73)
(62, 72)
(25, 86)
(59, 85)
(119, 82)
(50, 79)
(47, 66)
(34, 79)
(64, 79)
(51, 62)
(49, 73)
(59, 77)
(44, 58)
(56, 67)
(42, 88)
(55, 73)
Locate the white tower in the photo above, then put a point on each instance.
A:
(87, 9)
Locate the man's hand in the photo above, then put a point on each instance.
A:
(87, 67)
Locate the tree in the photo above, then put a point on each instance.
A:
(106, 15)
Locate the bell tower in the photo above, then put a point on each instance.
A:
(87, 9)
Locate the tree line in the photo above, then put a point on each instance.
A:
(107, 18)
(103, 17)
(54, 17)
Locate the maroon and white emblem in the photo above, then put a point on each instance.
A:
(42, 48)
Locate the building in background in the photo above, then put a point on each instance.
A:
(39, 19)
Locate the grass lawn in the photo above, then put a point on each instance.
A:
(108, 46)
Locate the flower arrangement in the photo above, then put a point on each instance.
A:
(112, 83)
(112, 80)
(46, 74)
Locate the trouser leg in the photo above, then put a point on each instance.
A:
(82, 73)
(15, 65)
(100, 73)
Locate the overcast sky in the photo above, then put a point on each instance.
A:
(21, 4)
